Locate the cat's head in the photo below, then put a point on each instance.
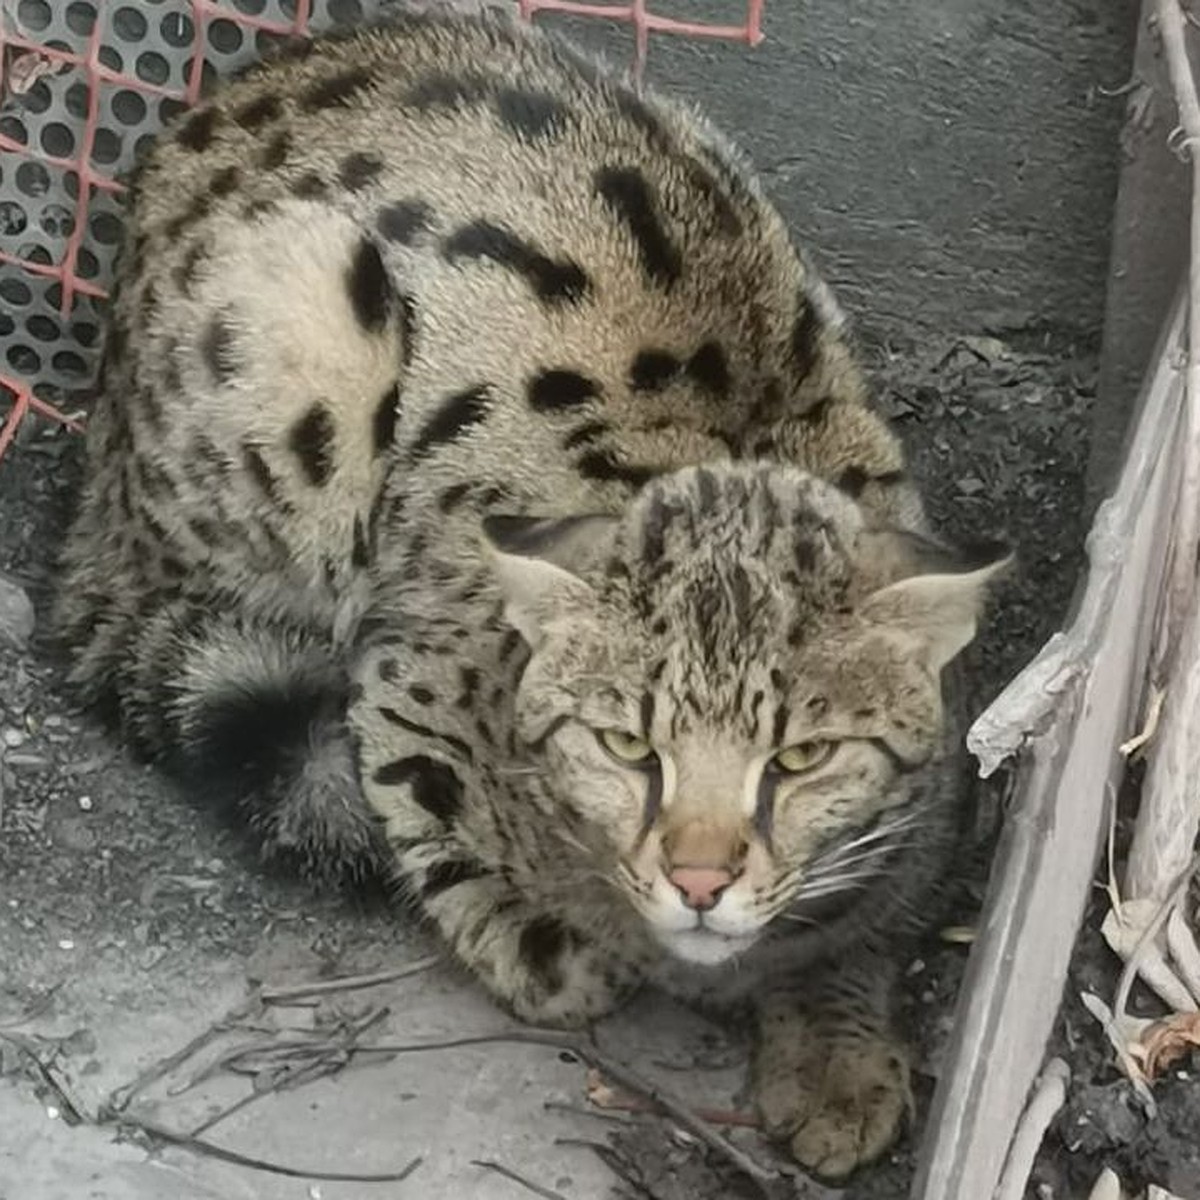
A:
(733, 688)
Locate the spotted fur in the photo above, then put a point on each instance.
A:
(461, 405)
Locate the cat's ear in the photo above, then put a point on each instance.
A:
(940, 604)
(536, 560)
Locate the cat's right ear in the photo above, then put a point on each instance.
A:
(535, 560)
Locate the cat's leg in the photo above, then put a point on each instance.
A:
(537, 966)
(831, 1075)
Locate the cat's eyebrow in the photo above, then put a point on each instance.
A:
(647, 714)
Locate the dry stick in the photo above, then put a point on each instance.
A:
(1050, 1096)
(280, 995)
(508, 1173)
(1172, 28)
(620, 1074)
(186, 1141)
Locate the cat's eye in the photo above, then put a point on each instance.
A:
(626, 747)
(803, 757)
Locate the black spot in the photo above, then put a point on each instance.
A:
(806, 334)
(455, 416)
(556, 390)
(709, 369)
(603, 465)
(389, 670)
(186, 271)
(311, 441)
(275, 152)
(360, 551)
(216, 347)
(402, 220)
(356, 171)
(224, 181)
(149, 303)
(369, 287)
(453, 496)
(647, 713)
(584, 434)
(260, 473)
(817, 411)
(408, 328)
(310, 186)
(852, 481)
(470, 684)
(258, 208)
(422, 695)
(338, 91)
(652, 370)
(258, 112)
(435, 786)
(706, 486)
(196, 133)
(383, 424)
(446, 91)
(627, 193)
(442, 876)
(638, 112)
(805, 554)
(728, 220)
(205, 530)
(540, 946)
(197, 209)
(531, 115)
(553, 281)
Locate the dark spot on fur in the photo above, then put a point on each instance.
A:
(360, 551)
(627, 193)
(805, 554)
(225, 181)
(383, 423)
(197, 209)
(556, 390)
(818, 410)
(149, 303)
(443, 876)
(260, 473)
(258, 112)
(647, 712)
(389, 670)
(709, 369)
(205, 530)
(408, 328)
(604, 465)
(311, 441)
(553, 281)
(422, 695)
(369, 287)
(435, 786)
(338, 91)
(852, 481)
(216, 348)
(455, 416)
(456, 744)
(186, 271)
(582, 435)
(275, 152)
(469, 677)
(817, 706)
(402, 220)
(653, 370)
(728, 221)
(540, 947)
(310, 186)
(453, 496)
(358, 170)
(530, 115)
(440, 90)
(196, 133)
(806, 335)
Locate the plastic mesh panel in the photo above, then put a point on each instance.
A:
(86, 84)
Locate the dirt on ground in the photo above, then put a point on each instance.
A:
(112, 890)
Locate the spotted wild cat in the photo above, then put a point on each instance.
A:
(480, 485)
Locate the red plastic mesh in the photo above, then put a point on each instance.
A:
(24, 59)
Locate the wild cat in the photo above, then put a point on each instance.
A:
(481, 485)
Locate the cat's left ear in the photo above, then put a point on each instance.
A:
(941, 607)
(536, 560)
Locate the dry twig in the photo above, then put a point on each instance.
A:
(1047, 1099)
(528, 1184)
(347, 983)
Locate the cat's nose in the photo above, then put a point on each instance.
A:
(700, 887)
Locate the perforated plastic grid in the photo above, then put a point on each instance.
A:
(85, 84)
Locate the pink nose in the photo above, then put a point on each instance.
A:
(700, 887)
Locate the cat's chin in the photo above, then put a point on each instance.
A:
(705, 948)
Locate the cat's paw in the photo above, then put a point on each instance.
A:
(839, 1102)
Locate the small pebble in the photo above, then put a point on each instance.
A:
(66, 944)
(52, 1112)
(85, 803)
(13, 738)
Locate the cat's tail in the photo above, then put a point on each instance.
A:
(250, 715)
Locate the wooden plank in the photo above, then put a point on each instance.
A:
(1066, 714)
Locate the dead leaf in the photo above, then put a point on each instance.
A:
(1168, 1041)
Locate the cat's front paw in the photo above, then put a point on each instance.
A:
(838, 1101)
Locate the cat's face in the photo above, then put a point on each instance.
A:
(734, 689)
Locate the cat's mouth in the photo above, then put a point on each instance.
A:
(705, 946)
